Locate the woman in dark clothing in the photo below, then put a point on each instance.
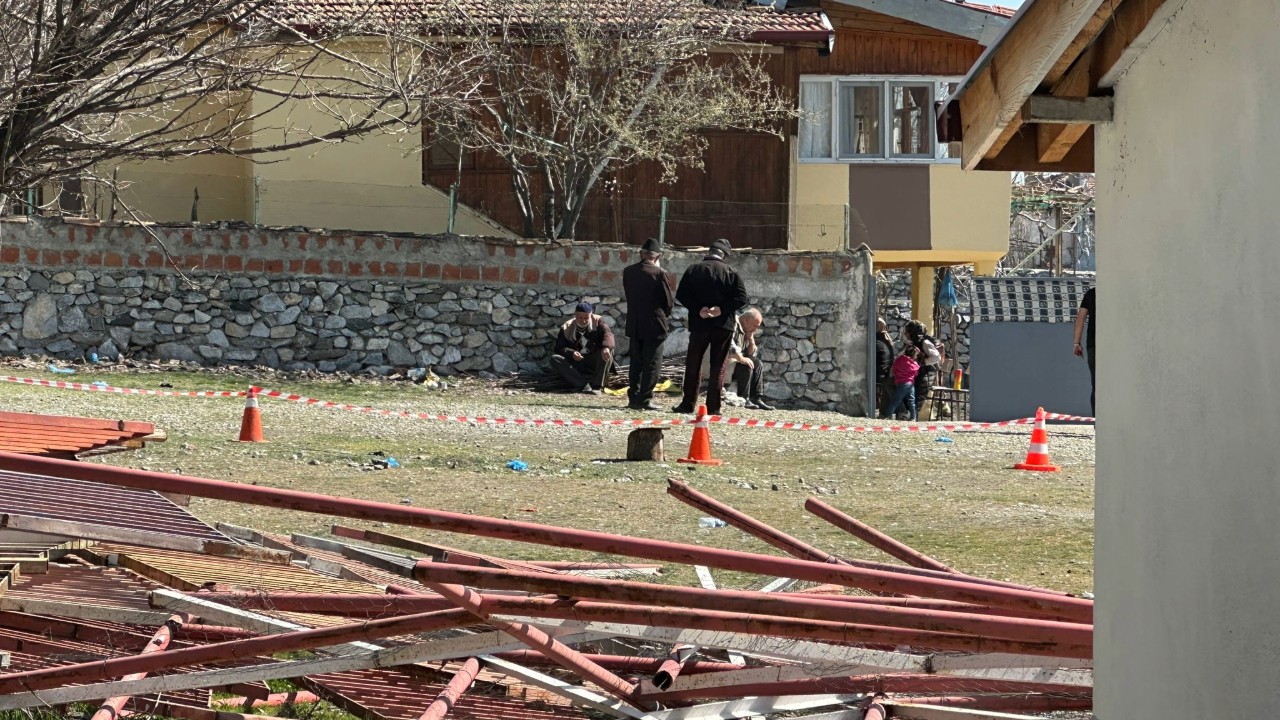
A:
(884, 366)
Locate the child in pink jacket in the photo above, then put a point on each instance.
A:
(905, 369)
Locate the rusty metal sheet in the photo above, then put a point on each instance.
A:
(61, 436)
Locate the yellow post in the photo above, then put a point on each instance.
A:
(922, 295)
(984, 268)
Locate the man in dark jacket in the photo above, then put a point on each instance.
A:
(714, 294)
(584, 350)
(649, 304)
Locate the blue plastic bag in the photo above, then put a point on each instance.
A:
(518, 465)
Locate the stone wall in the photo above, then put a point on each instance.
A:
(297, 299)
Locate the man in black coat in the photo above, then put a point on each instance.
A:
(714, 294)
(649, 304)
(583, 352)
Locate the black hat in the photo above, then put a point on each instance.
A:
(652, 245)
(583, 307)
(721, 246)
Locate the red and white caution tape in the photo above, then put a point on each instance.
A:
(103, 387)
(541, 422)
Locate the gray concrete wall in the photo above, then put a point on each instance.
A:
(1188, 468)
(1019, 366)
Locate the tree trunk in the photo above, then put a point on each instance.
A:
(645, 444)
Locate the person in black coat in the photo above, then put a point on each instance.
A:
(583, 352)
(884, 366)
(714, 294)
(649, 304)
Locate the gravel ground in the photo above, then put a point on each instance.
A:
(959, 500)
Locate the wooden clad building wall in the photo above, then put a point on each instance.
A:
(743, 191)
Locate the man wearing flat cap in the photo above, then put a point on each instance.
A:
(583, 353)
(649, 303)
(713, 293)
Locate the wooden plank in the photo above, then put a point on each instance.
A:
(1135, 26)
(1046, 109)
(83, 611)
(908, 711)
(70, 528)
(577, 695)
(1010, 71)
(1023, 154)
(1083, 40)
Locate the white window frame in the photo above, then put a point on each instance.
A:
(887, 83)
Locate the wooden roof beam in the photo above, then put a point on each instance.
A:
(1009, 73)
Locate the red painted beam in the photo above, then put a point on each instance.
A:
(747, 623)
(294, 697)
(1078, 609)
(875, 711)
(792, 606)
(747, 524)
(562, 654)
(874, 537)
(870, 684)
(448, 697)
(111, 707)
(348, 605)
(88, 672)
(673, 666)
(622, 663)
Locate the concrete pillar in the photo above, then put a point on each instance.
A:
(984, 268)
(922, 294)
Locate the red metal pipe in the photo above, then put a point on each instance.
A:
(877, 684)
(622, 663)
(44, 679)
(964, 590)
(747, 524)
(111, 707)
(673, 666)
(293, 697)
(875, 711)
(874, 537)
(566, 657)
(1016, 703)
(448, 697)
(747, 623)
(792, 606)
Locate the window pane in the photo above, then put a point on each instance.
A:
(861, 108)
(815, 123)
(912, 120)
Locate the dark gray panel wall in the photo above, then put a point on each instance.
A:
(1017, 367)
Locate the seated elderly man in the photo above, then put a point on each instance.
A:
(584, 350)
(748, 370)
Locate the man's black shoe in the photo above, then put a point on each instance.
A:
(760, 404)
(682, 410)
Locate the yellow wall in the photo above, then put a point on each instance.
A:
(820, 195)
(970, 211)
(163, 191)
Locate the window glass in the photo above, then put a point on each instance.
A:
(815, 122)
(860, 113)
(913, 120)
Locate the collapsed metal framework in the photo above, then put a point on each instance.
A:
(149, 625)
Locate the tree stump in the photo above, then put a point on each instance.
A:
(645, 444)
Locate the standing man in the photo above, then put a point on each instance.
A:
(714, 294)
(748, 373)
(584, 350)
(1085, 315)
(649, 304)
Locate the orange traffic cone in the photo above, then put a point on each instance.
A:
(1038, 453)
(700, 446)
(251, 423)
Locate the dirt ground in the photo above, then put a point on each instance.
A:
(959, 501)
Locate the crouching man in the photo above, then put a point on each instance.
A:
(583, 354)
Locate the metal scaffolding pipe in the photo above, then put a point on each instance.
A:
(1055, 702)
(111, 707)
(98, 670)
(875, 711)
(747, 524)
(448, 697)
(621, 663)
(749, 624)
(562, 654)
(869, 684)
(673, 665)
(963, 590)
(751, 602)
(874, 537)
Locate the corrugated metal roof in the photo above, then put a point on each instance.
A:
(61, 436)
(85, 506)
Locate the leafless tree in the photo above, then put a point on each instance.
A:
(88, 84)
(575, 88)
(1051, 221)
